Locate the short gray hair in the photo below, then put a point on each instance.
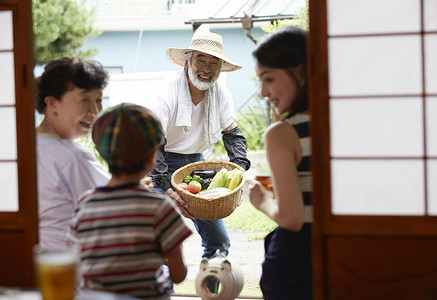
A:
(189, 55)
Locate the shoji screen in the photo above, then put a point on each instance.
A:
(373, 99)
(382, 58)
(8, 149)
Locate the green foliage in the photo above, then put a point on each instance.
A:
(87, 142)
(219, 148)
(302, 17)
(61, 27)
(252, 124)
(301, 20)
(276, 25)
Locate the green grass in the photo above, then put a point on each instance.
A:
(248, 219)
(187, 287)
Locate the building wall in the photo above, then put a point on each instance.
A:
(123, 49)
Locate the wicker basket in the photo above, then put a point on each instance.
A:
(213, 208)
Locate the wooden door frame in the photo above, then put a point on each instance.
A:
(319, 108)
(20, 229)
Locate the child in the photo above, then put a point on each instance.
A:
(69, 94)
(128, 233)
(281, 68)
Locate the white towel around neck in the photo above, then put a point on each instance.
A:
(210, 104)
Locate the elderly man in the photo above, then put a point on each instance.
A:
(195, 110)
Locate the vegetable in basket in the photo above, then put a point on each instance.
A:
(204, 173)
(187, 179)
(198, 179)
(227, 179)
(214, 193)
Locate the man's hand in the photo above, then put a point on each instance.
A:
(241, 197)
(180, 203)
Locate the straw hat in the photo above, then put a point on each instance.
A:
(206, 42)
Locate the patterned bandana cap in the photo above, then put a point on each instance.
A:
(126, 134)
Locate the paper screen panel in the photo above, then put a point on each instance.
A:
(7, 82)
(386, 65)
(377, 187)
(373, 16)
(376, 127)
(431, 126)
(430, 15)
(432, 187)
(431, 63)
(8, 136)
(6, 40)
(8, 186)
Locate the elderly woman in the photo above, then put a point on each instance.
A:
(70, 96)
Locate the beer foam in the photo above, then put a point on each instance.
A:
(57, 258)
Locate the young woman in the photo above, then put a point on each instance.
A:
(281, 68)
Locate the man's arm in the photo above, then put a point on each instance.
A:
(236, 146)
(162, 180)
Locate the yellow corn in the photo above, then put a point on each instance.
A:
(236, 180)
(228, 177)
(219, 179)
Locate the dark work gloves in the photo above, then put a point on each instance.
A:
(236, 146)
(160, 175)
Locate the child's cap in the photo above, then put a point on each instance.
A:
(126, 133)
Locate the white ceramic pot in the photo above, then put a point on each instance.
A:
(230, 279)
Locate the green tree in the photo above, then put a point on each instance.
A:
(61, 28)
(252, 124)
(301, 20)
(87, 142)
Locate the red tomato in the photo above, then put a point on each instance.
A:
(194, 187)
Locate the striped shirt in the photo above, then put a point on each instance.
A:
(301, 122)
(124, 233)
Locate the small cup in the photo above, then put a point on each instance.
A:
(56, 272)
(266, 181)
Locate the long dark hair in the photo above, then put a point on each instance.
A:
(286, 49)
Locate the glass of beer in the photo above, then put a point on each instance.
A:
(56, 272)
(266, 181)
(263, 175)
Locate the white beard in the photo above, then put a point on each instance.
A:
(201, 85)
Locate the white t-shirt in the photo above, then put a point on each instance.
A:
(172, 97)
(65, 171)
